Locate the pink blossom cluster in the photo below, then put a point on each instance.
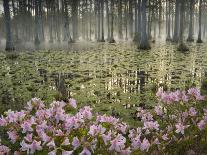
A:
(63, 129)
(178, 96)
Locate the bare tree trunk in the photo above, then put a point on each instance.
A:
(190, 31)
(9, 41)
(120, 35)
(182, 46)
(200, 14)
(144, 43)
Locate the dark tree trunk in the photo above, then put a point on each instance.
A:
(7, 17)
(130, 19)
(37, 40)
(190, 31)
(144, 43)
(102, 21)
(108, 21)
(168, 22)
(75, 19)
(199, 30)
(126, 20)
(112, 23)
(182, 46)
(176, 27)
(120, 35)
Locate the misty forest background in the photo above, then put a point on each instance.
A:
(141, 21)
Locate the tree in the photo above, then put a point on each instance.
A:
(144, 43)
(7, 19)
(199, 30)
(190, 31)
(182, 46)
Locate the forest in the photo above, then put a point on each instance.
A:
(143, 22)
(103, 77)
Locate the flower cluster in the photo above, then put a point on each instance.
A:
(178, 121)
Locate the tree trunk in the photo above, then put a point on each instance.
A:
(112, 23)
(182, 46)
(190, 31)
(120, 35)
(200, 14)
(168, 22)
(176, 27)
(144, 43)
(102, 21)
(9, 41)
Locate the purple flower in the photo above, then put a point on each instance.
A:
(73, 103)
(85, 152)
(180, 128)
(201, 125)
(158, 110)
(118, 143)
(12, 136)
(75, 143)
(192, 111)
(145, 145)
(165, 137)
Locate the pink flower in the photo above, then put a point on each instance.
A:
(51, 144)
(145, 145)
(27, 127)
(35, 146)
(52, 152)
(12, 136)
(165, 137)
(73, 103)
(126, 151)
(151, 125)
(201, 125)
(3, 121)
(136, 142)
(106, 138)
(75, 143)
(66, 142)
(158, 110)
(28, 137)
(85, 152)
(95, 130)
(180, 128)
(122, 127)
(192, 111)
(25, 147)
(4, 150)
(118, 143)
(67, 152)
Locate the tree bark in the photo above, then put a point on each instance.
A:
(7, 17)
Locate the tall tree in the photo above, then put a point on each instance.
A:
(144, 43)
(182, 46)
(190, 31)
(199, 29)
(7, 18)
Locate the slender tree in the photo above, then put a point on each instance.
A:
(7, 19)
(144, 43)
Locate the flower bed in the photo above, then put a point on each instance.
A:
(176, 125)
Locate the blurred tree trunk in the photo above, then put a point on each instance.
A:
(112, 23)
(120, 34)
(190, 31)
(37, 40)
(102, 21)
(130, 19)
(182, 46)
(7, 18)
(75, 19)
(126, 19)
(144, 43)
(176, 23)
(199, 30)
(108, 20)
(168, 17)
